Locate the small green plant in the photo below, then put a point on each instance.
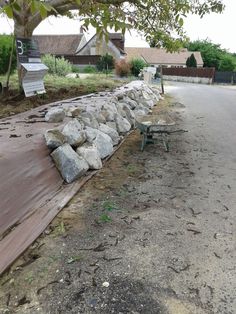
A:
(109, 206)
(137, 65)
(89, 69)
(75, 69)
(73, 259)
(105, 218)
(131, 169)
(122, 68)
(57, 66)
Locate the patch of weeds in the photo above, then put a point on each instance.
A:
(104, 218)
(122, 192)
(59, 229)
(132, 169)
(73, 259)
(109, 206)
(29, 278)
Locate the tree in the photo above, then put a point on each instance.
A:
(106, 63)
(158, 20)
(213, 55)
(227, 63)
(191, 61)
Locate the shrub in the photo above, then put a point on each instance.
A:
(191, 61)
(5, 51)
(58, 66)
(137, 65)
(106, 63)
(89, 69)
(75, 69)
(227, 63)
(122, 68)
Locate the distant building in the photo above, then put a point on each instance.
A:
(156, 57)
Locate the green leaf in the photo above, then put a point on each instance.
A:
(16, 6)
(43, 11)
(9, 12)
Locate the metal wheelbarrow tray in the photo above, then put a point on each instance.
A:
(151, 125)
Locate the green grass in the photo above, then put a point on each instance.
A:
(55, 82)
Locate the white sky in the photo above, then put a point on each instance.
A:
(219, 28)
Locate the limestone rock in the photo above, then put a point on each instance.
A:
(54, 138)
(55, 115)
(90, 153)
(103, 142)
(73, 133)
(114, 135)
(71, 165)
(122, 124)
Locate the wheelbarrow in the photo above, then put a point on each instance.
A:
(159, 125)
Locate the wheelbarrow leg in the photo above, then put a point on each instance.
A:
(144, 140)
(165, 142)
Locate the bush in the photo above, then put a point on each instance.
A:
(122, 68)
(58, 66)
(89, 69)
(227, 63)
(106, 63)
(5, 51)
(137, 65)
(191, 61)
(75, 69)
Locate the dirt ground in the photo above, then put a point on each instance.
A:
(15, 103)
(128, 242)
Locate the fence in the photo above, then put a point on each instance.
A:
(225, 77)
(190, 75)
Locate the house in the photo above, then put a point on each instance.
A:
(156, 57)
(97, 46)
(60, 44)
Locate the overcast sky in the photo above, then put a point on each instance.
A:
(220, 28)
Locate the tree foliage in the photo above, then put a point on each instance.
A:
(161, 22)
(191, 61)
(106, 63)
(5, 51)
(213, 55)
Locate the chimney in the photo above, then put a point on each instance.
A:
(81, 30)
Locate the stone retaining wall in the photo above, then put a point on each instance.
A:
(86, 130)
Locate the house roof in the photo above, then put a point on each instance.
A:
(113, 37)
(160, 56)
(58, 44)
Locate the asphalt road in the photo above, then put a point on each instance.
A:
(210, 117)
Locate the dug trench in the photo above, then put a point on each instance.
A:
(122, 244)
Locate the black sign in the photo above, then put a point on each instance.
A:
(27, 50)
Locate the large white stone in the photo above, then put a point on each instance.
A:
(102, 141)
(89, 120)
(73, 133)
(55, 115)
(71, 165)
(104, 144)
(54, 138)
(122, 124)
(90, 153)
(114, 135)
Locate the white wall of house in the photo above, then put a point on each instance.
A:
(97, 46)
(82, 43)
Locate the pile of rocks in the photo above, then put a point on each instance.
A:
(92, 125)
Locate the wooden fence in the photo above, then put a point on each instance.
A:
(190, 72)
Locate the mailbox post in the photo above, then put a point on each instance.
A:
(32, 70)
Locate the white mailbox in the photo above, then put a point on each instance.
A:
(32, 78)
